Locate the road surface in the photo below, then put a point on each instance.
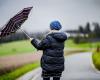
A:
(77, 67)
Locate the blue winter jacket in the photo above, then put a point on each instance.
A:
(53, 54)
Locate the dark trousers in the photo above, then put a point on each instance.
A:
(54, 78)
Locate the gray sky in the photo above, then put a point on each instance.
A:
(70, 13)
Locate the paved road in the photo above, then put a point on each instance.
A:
(77, 67)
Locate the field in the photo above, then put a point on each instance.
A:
(71, 44)
(20, 52)
(16, 47)
(14, 61)
(25, 46)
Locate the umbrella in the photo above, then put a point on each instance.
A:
(15, 23)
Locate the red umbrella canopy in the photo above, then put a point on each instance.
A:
(15, 22)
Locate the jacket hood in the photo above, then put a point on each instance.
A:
(60, 36)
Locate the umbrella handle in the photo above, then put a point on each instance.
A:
(25, 33)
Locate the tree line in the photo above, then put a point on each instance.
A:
(91, 33)
(88, 33)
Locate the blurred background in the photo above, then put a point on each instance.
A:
(79, 18)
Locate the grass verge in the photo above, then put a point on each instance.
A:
(96, 59)
(20, 71)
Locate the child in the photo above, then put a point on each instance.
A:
(52, 60)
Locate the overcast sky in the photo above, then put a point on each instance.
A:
(70, 13)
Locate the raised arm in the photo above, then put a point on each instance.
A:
(40, 45)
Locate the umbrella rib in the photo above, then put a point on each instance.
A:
(6, 28)
(9, 28)
(20, 14)
(14, 28)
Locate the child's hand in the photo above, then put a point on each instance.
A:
(30, 39)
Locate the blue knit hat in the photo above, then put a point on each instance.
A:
(55, 25)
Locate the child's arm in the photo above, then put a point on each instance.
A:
(30, 39)
(40, 45)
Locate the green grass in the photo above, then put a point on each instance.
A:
(16, 47)
(96, 59)
(20, 71)
(19, 47)
(71, 44)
